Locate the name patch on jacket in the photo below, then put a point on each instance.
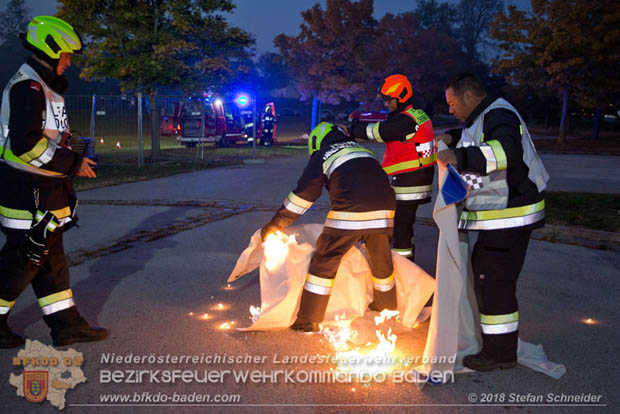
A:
(334, 148)
(60, 115)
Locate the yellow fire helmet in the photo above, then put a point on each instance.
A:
(52, 36)
(316, 136)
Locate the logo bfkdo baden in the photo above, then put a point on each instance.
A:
(36, 384)
(48, 373)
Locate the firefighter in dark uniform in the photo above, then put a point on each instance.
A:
(37, 200)
(495, 155)
(409, 159)
(362, 210)
(267, 126)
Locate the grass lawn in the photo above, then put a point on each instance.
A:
(594, 211)
(122, 168)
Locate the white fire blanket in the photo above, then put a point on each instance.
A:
(281, 287)
(455, 322)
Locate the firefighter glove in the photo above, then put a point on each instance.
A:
(36, 240)
(267, 230)
(351, 129)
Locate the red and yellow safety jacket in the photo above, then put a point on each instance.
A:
(410, 151)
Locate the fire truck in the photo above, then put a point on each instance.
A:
(208, 119)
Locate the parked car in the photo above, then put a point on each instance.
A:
(374, 111)
(208, 119)
(288, 112)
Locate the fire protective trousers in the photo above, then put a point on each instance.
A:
(330, 248)
(497, 260)
(404, 221)
(50, 282)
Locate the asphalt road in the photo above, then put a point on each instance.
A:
(148, 254)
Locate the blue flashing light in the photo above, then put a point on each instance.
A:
(242, 100)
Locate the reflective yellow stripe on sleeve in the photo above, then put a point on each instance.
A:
(296, 204)
(372, 131)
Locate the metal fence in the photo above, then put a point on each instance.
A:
(122, 127)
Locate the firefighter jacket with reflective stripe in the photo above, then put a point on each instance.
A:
(33, 167)
(497, 158)
(359, 191)
(410, 152)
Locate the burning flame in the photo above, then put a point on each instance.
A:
(220, 307)
(381, 358)
(226, 325)
(255, 312)
(276, 247)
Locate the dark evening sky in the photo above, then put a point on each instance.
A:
(265, 19)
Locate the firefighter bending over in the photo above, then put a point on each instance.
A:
(362, 210)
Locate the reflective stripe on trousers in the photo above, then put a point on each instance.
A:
(56, 302)
(318, 285)
(5, 306)
(419, 192)
(383, 285)
(404, 252)
(499, 324)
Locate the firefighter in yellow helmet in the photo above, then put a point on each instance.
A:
(37, 201)
(362, 210)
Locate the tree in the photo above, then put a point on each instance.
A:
(327, 60)
(146, 44)
(568, 46)
(473, 20)
(272, 71)
(440, 16)
(427, 57)
(15, 18)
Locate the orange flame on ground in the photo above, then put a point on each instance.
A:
(381, 358)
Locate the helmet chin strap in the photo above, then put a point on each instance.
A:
(40, 56)
(46, 60)
(403, 105)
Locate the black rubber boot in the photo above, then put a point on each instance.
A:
(384, 300)
(8, 339)
(68, 327)
(305, 326)
(483, 362)
(311, 312)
